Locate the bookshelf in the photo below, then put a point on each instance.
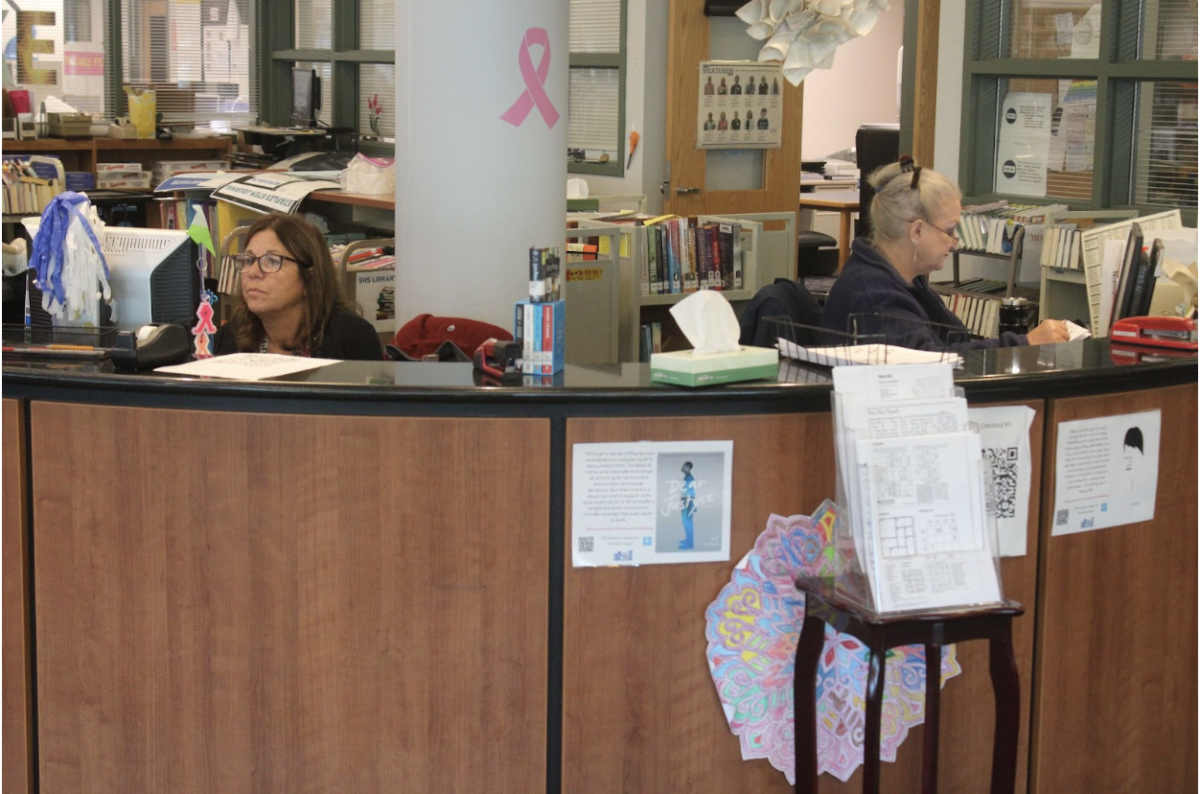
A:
(977, 302)
(768, 245)
(1013, 258)
(1063, 292)
(83, 154)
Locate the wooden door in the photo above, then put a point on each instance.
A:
(688, 45)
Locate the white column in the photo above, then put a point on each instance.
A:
(475, 191)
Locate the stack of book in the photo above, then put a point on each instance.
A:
(650, 340)
(122, 176)
(683, 256)
(1061, 247)
(991, 228)
(31, 183)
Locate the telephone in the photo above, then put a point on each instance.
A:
(154, 345)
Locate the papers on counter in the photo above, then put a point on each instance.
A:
(247, 366)
(851, 355)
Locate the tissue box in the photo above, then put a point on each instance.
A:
(542, 330)
(123, 129)
(685, 368)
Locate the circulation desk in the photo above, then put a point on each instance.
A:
(358, 580)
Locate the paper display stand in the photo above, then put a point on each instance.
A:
(913, 531)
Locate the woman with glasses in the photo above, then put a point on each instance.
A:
(885, 281)
(289, 300)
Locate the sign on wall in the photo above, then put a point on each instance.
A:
(740, 105)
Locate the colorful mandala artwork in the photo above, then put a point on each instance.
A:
(752, 629)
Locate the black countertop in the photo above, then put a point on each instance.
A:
(1007, 374)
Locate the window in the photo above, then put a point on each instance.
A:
(351, 44)
(1107, 92)
(194, 53)
(596, 87)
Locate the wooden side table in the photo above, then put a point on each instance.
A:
(881, 632)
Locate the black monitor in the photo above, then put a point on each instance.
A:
(875, 145)
(306, 97)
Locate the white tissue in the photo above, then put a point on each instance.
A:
(577, 188)
(708, 322)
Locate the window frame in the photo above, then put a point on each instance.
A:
(1115, 79)
(278, 53)
(617, 60)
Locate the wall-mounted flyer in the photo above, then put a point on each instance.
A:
(1106, 472)
(646, 502)
(740, 105)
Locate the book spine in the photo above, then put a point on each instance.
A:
(527, 345)
(548, 339)
(519, 327)
(652, 260)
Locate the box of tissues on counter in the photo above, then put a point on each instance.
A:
(709, 323)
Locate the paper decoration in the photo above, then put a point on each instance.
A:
(805, 33)
(204, 330)
(753, 627)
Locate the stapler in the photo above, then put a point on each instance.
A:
(152, 345)
(1178, 333)
(499, 359)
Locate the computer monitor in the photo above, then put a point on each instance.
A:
(152, 274)
(306, 97)
(875, 145)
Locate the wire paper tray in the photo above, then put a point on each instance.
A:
(873, 339)
(34, 339)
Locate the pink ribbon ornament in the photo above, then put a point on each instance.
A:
(535, 81)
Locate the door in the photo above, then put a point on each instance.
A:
(687, 174)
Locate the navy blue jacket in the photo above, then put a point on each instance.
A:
(869, 285)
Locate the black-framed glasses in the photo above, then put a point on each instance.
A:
(267, 263)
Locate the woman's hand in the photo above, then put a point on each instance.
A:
(1048, 332)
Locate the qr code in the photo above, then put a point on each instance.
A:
(1004, 479)
(1062, 517)
(587, 544)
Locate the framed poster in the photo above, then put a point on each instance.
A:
(740, 105)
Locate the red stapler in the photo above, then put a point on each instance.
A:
(1178, 333)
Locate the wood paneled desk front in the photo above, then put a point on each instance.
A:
(845, 203)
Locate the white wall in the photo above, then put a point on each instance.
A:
(859, 89)
(948, 125)
(645, 105)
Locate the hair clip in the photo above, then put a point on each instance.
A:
(908, 166)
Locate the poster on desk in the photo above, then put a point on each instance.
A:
(647, 503)
(740, 105)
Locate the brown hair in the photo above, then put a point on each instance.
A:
(323, 291)
(902, 196)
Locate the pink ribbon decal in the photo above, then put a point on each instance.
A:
(535, 81)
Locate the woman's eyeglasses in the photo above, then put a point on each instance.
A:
(267, 263)
(951, 235)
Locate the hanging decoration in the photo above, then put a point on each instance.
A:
(804, 34)
(753, 627)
